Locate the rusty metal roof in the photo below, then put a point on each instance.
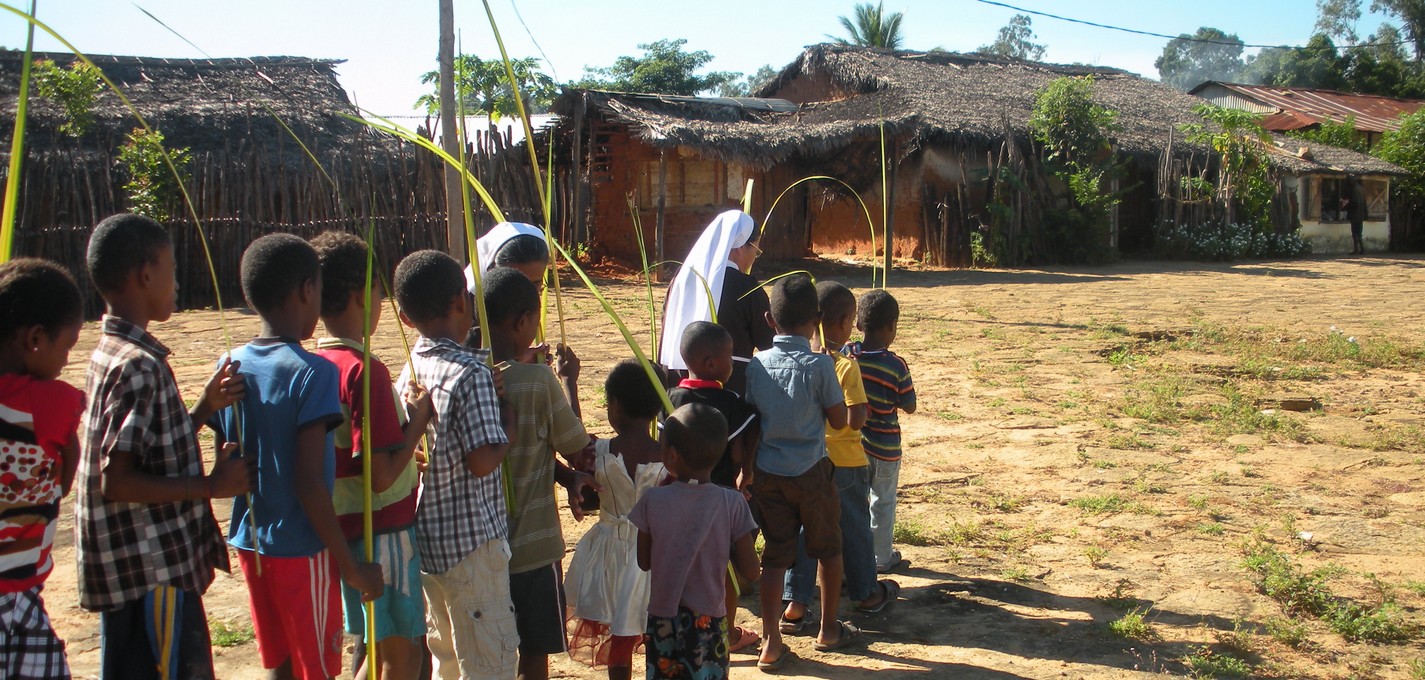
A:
(1299, 107)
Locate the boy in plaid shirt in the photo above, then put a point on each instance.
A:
(148, 542)
(461, 515)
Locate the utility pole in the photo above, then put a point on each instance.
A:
(449, 139)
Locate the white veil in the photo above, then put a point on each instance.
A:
(486, 246)
(687, 298)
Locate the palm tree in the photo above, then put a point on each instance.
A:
(871, 27)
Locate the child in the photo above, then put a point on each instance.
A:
(460, 511)
(707, 349)
(888, 389)
(40, 317)
(544, 424)
(687, 531)
(792, 491)
(607, 591)
(350, 312)
(146, 530)
(838, 315)
(286, 420)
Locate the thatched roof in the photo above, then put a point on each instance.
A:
(203, 104)
(844, 94)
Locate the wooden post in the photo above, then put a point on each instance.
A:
(890, 199)
(662, 202)
(577, 179)
(454, 207)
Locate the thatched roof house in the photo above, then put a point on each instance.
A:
(951, 122)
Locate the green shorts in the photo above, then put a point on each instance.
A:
(401, 609)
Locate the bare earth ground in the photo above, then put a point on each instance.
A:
(1090, 473)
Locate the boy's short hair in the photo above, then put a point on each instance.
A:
(698, 433)
(793, 302)
(275, 266)
(508, 295)
(120, 246)
(427, 282)
(835, 300)
(35, 292)
(877, 310)
(343, 257)
(521, 249)
(702, 338)
(628, 384)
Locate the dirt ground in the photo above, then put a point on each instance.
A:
(1099, 482)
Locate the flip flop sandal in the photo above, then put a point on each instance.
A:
(776, 664)
(792, 626)
(746, 640)
(890, 590)
(848, 634)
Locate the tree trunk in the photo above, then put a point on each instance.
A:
(449, 139)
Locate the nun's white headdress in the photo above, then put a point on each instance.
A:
(486, 246)
(687, 298)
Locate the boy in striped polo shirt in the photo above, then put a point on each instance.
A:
(888, 389)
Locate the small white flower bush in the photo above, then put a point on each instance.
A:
(1224, 241)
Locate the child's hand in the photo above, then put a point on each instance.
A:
(226, 387)
(566, 362)
(744, 484)
(533, 354)
(366, 577)
(580, 481)
(584, 459)
(422, 460)
(419, 405)
(232, 475)
(497, 376)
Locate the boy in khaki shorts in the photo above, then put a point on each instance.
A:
(792, 488)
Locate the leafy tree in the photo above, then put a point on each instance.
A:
(1076, 133)
(1384, 67)
(1015, 40)
(1406, 147)
(482, 87)
(664, 68)
(1411, 14)
(746, 86)
(1332, 133)
(1315, 65)
(1337, 19)
(1187, 62)
(1244, 181)
(74, 89)
(152, 189)
(870, 27)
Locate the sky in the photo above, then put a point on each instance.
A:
(388, 44)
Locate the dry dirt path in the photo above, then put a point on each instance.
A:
(1090, 444)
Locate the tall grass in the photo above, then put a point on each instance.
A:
(17, 149)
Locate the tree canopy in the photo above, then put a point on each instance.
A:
(1016, 40)
(482, 87)
(870, 27)
(1207, 54)
(664, 68)
(749, 84)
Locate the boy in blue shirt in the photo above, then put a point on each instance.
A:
(792, 487)
(286, 419)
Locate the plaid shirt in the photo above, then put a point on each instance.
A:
(127, 549)
(456, 512)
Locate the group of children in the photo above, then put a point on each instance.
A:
(464, 451)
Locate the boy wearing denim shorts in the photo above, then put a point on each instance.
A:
(792, 487)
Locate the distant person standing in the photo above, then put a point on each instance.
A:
(1356, 212)
(717, 271)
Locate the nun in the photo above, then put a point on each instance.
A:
(722, 258)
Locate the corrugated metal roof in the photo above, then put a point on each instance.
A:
(1299, 107)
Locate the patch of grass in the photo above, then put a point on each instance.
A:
(1128, 442)
(1417, 669)
(236, 635)
(1210, 528)
(1095, 555)
(1133, 626)
(1159, 400)
(1017, 573)
(982, 312)
(1303, 592)
(996, 402)
(1219, 477)
(1417, 587)
(1123, 356)
(911, 532)
(1204, 663)
(1001, 503)
(1287, 631)
(1198, 502)
(1238, 640)
(1109, 504)
(949, 416)
(1395, 438)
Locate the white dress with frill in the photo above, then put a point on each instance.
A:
(604, 587)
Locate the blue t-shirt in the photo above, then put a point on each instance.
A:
(792, 387)
(288, 388)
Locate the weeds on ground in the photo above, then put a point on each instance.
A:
(1417, 669)
(1095, 555)
(911, 532)
(1109, 504)
(1302, 592)
(235, 635)
(1204, 663)
(1287, 631)
(1133, 625)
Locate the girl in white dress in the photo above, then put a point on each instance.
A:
(606, 590)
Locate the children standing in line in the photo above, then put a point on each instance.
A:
(40, 317)
(707, 351)
(544, 424)
(686, 532)
(148, 542)
(889, 389)
(286, 420)
(608, 593)
(350, 313)
(460, 512)
(838, 315)
(792, 490)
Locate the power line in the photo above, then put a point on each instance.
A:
(1184, 37)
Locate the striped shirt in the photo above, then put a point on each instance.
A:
(456, 512)
(127, 549)
(544, 423)
(888, 390)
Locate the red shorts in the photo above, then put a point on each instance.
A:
(296, 612)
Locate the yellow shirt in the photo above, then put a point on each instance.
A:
(843, 446)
